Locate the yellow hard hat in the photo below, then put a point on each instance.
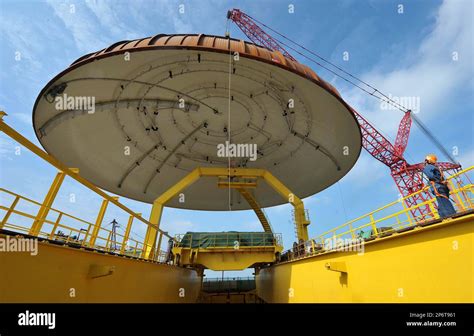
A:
(431, 158)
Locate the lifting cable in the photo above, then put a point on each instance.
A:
(229, 126)
(369, 89)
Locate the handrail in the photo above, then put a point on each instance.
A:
(70, 172)
(462, 194)
(221, 239)
(425, 189)
(229, 279)
(71, 235)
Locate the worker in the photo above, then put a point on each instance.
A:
(439, 186)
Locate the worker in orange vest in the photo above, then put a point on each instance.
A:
(439, 186)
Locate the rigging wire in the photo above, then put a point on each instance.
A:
(433, 138)
(372, 91)
(228, 124)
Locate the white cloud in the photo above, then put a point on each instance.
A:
(18, 32)
(178, 227)
(7, 148)
(78, 21)
(432, 74)
(366, 171)
(107, 13)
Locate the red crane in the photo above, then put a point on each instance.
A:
(407, 177)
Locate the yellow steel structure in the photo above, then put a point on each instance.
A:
(61, 274)
(396, 258)
(47, 203)
(301, 220)
(256, 208)
(127, 234)
(243, 189)
(102, 240)
(383, 258)
(98, 222)
(228, 251)
(73, 173)
(430, 264)
(226, 259)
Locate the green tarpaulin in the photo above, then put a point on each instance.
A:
(226, 239)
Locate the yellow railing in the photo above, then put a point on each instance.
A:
(77, 234)
(93, 235)
(232, 240)
(391, 218)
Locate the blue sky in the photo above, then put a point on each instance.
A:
(403, 54)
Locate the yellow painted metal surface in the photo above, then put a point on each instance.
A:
(256, 208)
(430, 264)
(226, 259)
(71, 232)
(300, 217)
(412, 264)
(69, 275)
(227, 251)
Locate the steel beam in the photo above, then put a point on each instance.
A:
(127, 233)
(300, 216)
(47, 203)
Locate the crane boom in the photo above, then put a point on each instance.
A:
(408, 178)
(255, 33)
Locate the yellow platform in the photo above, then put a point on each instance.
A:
(404, 259)
(430, 264)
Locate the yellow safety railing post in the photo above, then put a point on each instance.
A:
(98, 222)
(135, 251)
(107, 242)
(9, 211)
(432, 208)
(456, 192)
(410, 220)
(47, 203)
(159, 243)
(68, 171)
(374, 227)
(352, 231)
(127, 233)
(150, 236)
(86, 236)
(53, 231)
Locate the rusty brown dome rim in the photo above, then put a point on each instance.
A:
(200, 42)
